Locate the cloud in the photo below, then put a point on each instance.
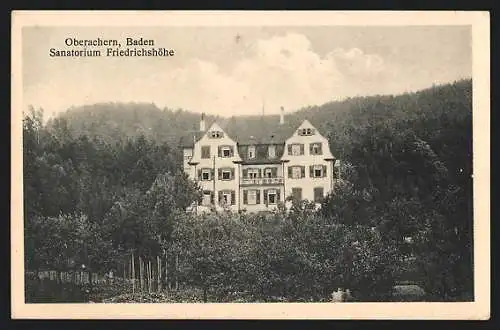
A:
(279, 71)
(355, 62)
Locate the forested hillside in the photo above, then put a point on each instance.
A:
(103, 183)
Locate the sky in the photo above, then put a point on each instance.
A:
(243, 70)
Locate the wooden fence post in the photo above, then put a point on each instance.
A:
(167, 283)
(133, 273)
(141, 279)
(176, 271)
(149, 276)
(158, 270)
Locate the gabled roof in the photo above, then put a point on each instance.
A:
(247, 130)
(188, 140)
(259, 130)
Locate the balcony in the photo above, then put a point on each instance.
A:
(262, 181)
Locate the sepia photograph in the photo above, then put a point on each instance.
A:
(226, 164)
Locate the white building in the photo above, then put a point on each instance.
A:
(257, 172)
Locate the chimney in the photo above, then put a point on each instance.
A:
(202, 122)
(282, 116)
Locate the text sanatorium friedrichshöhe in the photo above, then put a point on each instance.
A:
(134, 47)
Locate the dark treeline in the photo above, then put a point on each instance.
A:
(103, 187)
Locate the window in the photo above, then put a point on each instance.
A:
(216, 134)
(207, 198)
(295, 149)
(251, 152)
(269, 173)
(205, 152)
(205, 175)
(318, 194)
(297, 193)
(253, 173)
(317, 171)
(226, 174)
(271, 196)
(225, 151)
(272, 151)
(296, 172)
(227, 197)
(306, 131)
(251, 197)
(315, 149)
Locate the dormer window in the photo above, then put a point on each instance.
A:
(306, 131)
(251, 152)
(272, 151)
(216, 134)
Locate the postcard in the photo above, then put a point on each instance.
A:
(250, 165)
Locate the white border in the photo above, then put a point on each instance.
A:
(479, 309)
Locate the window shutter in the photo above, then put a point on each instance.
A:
(212, 174)
(245, 197)
(231, 151)
(311, 149)
(302, 171)
(233, 197)
(220, 197)
(232, 174)
(205, 152)
(265, 196)
(275, 172)
(301, 149)
(219, 151)
(260, 173)
(324, 171)
(219, 174)
(199, 175)
(311, 171)
(277, 196)
(257, 195)
(212, 195)
(289, 149)
(289, 172)
(245, 174)
(320, 145)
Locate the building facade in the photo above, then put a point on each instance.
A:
(258, 172)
